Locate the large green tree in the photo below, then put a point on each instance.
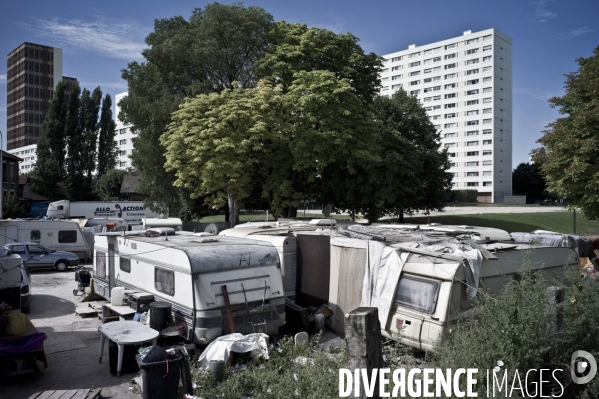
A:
(90, 108)
(528, 180)
(107, 148)
(108, 186)
(572, 142)
(49, 172)
(216, 47)
(74, 143)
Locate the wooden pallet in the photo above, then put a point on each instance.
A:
(86, 312)
(72, 394)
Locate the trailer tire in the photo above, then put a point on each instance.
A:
(62, 265)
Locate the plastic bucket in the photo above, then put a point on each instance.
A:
(217, 369)
(160, 380)
(117, 295)
(160, 315)
(16, 324)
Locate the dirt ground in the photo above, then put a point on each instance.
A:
(71, 347)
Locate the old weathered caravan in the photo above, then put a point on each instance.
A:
(196, 274)
(59, 235)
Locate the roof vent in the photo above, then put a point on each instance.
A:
(162, 231)
(205, 240)
(467, 32)
(412, 46)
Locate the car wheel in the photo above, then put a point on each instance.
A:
(62, 265)
(26, 309)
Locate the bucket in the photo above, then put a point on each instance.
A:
(16, 324)
(117, 295)
(217, 369)
(160, 315)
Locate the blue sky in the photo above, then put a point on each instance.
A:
(99, 38)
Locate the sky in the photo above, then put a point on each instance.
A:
(99, 38)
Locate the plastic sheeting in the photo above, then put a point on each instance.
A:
(472, 256)
(582, 245)
(221, 348)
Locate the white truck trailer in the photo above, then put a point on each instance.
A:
(131, 211)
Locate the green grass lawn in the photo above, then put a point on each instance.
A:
(554, 221)
(261, 217)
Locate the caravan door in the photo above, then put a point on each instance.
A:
(12, 233)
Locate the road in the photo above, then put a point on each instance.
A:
(72, 344)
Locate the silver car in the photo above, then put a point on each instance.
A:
(37, 256)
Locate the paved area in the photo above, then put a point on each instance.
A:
(72, 344)
(481, 209)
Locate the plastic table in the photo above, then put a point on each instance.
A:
(125, 333)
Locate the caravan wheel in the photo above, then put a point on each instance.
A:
(62, 265)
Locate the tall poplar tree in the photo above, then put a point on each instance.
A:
(74, 138)
(107, 148)
(90, 107)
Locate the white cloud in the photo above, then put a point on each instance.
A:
(114, 38)
(541, 13)
(2, 78)
(535, 94)
(109, 85)
(579, 31)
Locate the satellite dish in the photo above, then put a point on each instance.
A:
(327, 210)
(212, 228)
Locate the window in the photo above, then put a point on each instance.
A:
(488, 111)
(437, 59)
(472, 61)
(449, 145)
(125, 264)
(472, 184)
(488, 131)
(472, 102)
(164, 281)
(450, 86)
(475, 163)
(471, 143)
(417, 294)
(396, 68)
(35, 235)
(415, 73)
(427, 80)
(449, 66)
(414, 82)
(487, 173)
(100, 270)
(471, 92)
(487, 163)
(427, 99)
(395, 59)
(436, 107)
(394, 87)
(18, 249)
(451, 154)
(396, 77)
(123, 164)
(437, 126)
(488, 37)
(448, 135)
(436, 98)
(487, 90)
(451, 95)
(472, 71)
(471, 174)
(472, 41)
(427, 62)
(415, 54)
(124, 152)
(449, 125)
(433, 79)
(452, 105)
(450, 46)
(487, 142)
(487, 100)
(428, 70)
(472, 133)
(487, 183)
(486, 121)
(414, 64)
(67, 236)
(450, 56)
(487, 152)
(434, 88)
(472, 51)
(487, 69)
(427, 52)
(487, 58)
(414, 92)
(471, 123)
(450, 76)
(470, 113)
(121, 142)
(452, 165)
(472, 82)
(435, 117)
(452, 115)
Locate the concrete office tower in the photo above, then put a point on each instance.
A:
(465, 85)
(124, 136)
(33, 71)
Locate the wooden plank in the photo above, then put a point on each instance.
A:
(81, 394)
(94, 394)
(42, 395)
(483, 251)
(35, 395)
(57, 394)
(69, 394)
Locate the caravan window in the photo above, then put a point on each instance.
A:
(418, 294)
(35, 235)
(125, 264)
(67, 236)
(164, 281)
(101, 264)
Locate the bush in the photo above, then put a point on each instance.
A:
(462, 196)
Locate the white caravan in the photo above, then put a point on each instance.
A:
(197, 274)
(60, 235)
(131, 211)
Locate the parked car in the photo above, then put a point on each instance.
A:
(37, 256)
(25, 290)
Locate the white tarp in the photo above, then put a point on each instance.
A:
(472, 256)
(383, 268)
(221, 348)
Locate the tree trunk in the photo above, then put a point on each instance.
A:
(401, 216)
(233, 210)
(227, 213)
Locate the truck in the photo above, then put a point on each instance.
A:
(131, 211)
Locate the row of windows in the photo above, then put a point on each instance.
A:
(455, 64)
(458, 164)
(469, 133)
(456, 114)
(452, 95)
(468, 153)
(447, 47)
(467, 123)
(475, 184)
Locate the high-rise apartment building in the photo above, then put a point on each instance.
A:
(465, 85)
(33, 71)
(124, 136)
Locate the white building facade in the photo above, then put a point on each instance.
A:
(124, 137)
(28, 154)
(465, 85)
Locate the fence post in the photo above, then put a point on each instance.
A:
(555, 298)
(364, 344)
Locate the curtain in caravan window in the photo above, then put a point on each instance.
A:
(164, 281)
(417, 294)
(67, 236)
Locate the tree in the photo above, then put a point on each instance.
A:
(527, 180)
(90, 108)
(49, 172)
(215, 48)
(108, 186)
(571, 142)
(107, 148)
(11, 208)
(74, 142)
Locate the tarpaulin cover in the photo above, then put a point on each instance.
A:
(582, 245)
(221, 348)
(23, 345)
(472, 256)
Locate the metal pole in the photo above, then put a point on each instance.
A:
(1, 176)
(574, 221)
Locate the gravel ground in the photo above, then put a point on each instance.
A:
(72, 344)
